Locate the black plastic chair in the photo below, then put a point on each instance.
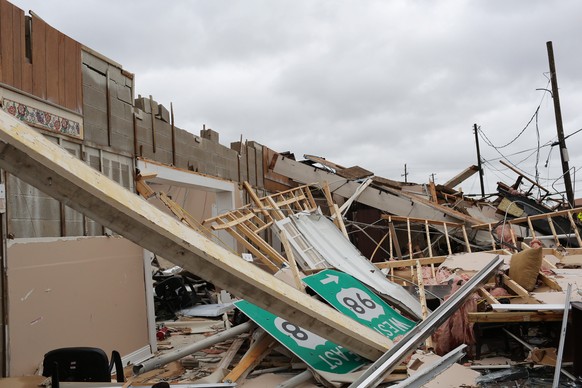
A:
(81, 364)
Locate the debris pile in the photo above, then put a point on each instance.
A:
(318, 293)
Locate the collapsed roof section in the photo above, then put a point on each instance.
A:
(27, 154)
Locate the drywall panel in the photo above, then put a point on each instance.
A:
(86, 291)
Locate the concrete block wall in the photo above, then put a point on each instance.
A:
(202, 153)
(250, 162)
(31, 213)
(107, 123)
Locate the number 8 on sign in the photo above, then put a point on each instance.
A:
(302, 337)
(359, 303)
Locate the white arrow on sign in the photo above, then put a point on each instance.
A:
(330, 279)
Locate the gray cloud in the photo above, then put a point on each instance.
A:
(373, 83)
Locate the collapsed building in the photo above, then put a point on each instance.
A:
(98, 184)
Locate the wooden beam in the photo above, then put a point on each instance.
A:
(462, 176)
(487, 296)
(516, 316)
(258, 350)
(291, 258)
(523, 176)
(421, 220)
(549, 281)
(28, 155)
(394, 239)
(228, 356)
(519, 290)
(255, 198)
(410, 262)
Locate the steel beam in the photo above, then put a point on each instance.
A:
(25, 153)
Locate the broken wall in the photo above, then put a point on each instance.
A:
(158, 139)
(74, 292)
(38, 59)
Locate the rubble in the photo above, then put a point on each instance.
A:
(509, 268)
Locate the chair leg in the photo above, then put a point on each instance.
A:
(116, 360)
(55, 375)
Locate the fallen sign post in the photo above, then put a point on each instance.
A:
(386, 364)
(353, 299)
(317, 352)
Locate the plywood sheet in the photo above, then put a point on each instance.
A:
(74, 292)
(355, 172)
(472, 262)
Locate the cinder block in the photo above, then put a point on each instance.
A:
(124, 93)
(209, 134)
(95, 98)
(93, 79)
(94, 62)
(163, 113)
(143, 103)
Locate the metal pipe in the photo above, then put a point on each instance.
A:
(301, 378)
(562, 337)
(389, 360)
(160, 361)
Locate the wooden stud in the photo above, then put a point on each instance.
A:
(575, 228)
(410, 262)
(467, 244)
(519, 290)
(531, 228)
(447, 239)
(255, 198)
(488, 297)
(409, 233)
(433, 193)
(395, 239)
(258, 350)
(515, 316)
(230, 353)
(153, 126)
(422, 296)
(291, 259)
(492, 238)
(429, 244)
(553, 229)
(340, 221)
(549, 281)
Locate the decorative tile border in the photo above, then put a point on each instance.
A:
(45, 120)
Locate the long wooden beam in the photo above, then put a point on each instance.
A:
(25, 153)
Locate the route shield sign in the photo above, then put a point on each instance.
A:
(353, 299)
(316, 351)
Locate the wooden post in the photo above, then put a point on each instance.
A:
(422, 296)
(291, 260)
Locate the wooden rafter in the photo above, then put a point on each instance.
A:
(246, 224)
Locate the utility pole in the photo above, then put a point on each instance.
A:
(405, 175)
(559, 126)
(475, 128)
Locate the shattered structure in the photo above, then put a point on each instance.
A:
(116, 225)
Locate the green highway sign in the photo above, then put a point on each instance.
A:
(353, 299)
(315, 351)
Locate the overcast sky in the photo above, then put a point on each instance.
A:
(378, 84)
